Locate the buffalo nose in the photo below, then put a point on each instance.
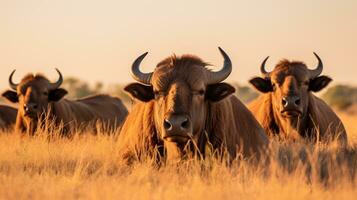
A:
(30, 107)
(177, 123)
(291, 101)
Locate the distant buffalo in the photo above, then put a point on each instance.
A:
(38, 98)
(184, 106)
(288, 108)
(7, 117)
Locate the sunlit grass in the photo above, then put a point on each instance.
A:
(88, 166)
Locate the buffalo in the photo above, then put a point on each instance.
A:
(7, 117)
(40, 100)
(288, 108)
(183, 107)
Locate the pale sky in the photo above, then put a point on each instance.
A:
(98, 40)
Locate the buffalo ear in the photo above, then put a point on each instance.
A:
(218, 91)
(261, 84)
(56, 94)
(318, 83)
(11, 96)
(141, 92)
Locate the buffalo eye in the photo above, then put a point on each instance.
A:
(45, 93)
(199, 92)
(158, 94)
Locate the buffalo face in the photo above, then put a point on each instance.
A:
(33, 94)
(180, 89)
(289, 85)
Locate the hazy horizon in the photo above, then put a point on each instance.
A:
(98, 41)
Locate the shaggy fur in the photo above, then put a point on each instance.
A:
(318, 121)
(7, 117)
(225, 126)
(108, 111)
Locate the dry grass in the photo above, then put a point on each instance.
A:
(350, 122)
(88, 167)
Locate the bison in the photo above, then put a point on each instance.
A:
(38, 99)
(287, 107)
(184, 107)
(7, 117)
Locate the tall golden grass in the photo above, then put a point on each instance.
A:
(87, 166)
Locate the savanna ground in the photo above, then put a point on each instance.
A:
(88, 167)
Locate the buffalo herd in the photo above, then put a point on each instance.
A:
(182, 106)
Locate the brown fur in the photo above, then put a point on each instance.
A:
(319, 121)
(106, 110)
(99, 108)
(7, 117)
(229, 125)
(322, 121)
(185, 60)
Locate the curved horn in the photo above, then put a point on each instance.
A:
(216, 77)
(138, 75)
(316, 72)
(262, 68)
(58, 82)
(12, 84)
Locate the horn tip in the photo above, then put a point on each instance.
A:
(265, 59)
(221, 50)
(12, 84)
(12, 73)
(143, 55)
(317, 56)
(58, 71)
(224, 54)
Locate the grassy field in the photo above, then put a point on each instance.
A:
(88, 167)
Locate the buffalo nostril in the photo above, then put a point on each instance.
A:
(185, 124)
(297, 102)
(167, 124)
(284, 102)
(35, 106)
